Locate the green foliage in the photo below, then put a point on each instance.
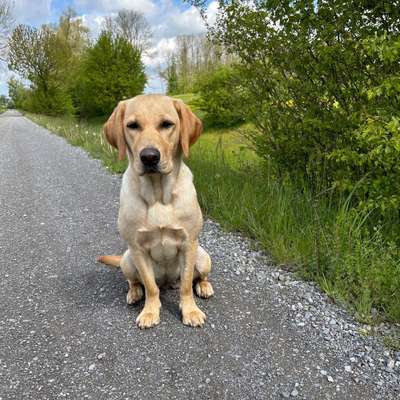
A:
(4, 103)
(171, 77)
(111, 71)
(17, 93)
(52, 101)
(370, 162)
(323, 239)
(193, 55)
(38, 56)
(221, 96)
(312, 74)
(48, 57)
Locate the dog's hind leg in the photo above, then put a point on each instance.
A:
(135, 292)
(203, 287)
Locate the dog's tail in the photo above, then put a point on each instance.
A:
(112, 261)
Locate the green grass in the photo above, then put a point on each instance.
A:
(320, 238)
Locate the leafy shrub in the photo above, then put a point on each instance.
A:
(111, 71)
(220, 96)
(370, 161)
(324, 98)
(17, 93)
(55, 101)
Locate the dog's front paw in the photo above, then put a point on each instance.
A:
(193, 316)
(147, 319)
(204, 289)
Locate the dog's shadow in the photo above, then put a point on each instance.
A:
(93, 286)
(107, 287)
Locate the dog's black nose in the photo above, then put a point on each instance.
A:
(150, 156)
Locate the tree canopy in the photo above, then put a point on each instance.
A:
(111, 71)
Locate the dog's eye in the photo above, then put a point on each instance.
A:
(166, 124)
(133, 125)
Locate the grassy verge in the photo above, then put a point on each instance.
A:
(321, 238)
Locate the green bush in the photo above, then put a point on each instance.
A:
(17, 93)
(55, 101)
(111, 71)
(220, 96)
(324, 102)
(370, 161)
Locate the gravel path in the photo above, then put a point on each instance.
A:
(66, 331)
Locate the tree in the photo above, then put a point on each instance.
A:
(74, 39)
(220, 96)
(17, 93)
(74, 33)
(38, 55)
(111, 71)
(49, 58)
(132, 26)
(194, 55)
(30, 53)
(6, 23)
(170, 74)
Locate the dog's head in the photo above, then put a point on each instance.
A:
(154, 129)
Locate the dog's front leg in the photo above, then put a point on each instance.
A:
(191, 314)
(150, 314)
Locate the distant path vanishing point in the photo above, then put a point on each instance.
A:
(67, 333)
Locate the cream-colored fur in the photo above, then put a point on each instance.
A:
(159, 216)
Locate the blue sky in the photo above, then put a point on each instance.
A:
(167, 18)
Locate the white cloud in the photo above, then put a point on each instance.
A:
(38, 13)
(211, 12)
(158, 54)
(107, 6)
(155, 60)
(94, 23)
(177, 22)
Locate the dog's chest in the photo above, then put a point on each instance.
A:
(159, 215)
(162, 237)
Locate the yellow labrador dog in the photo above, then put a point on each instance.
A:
(159, 216)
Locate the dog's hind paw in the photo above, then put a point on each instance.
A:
(135, 293)
(204, 289)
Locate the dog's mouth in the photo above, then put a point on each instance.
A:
(154, 171)
(162, 168)
(151, 170)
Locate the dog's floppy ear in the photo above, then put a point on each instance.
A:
(113, 129)
(191, 126)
